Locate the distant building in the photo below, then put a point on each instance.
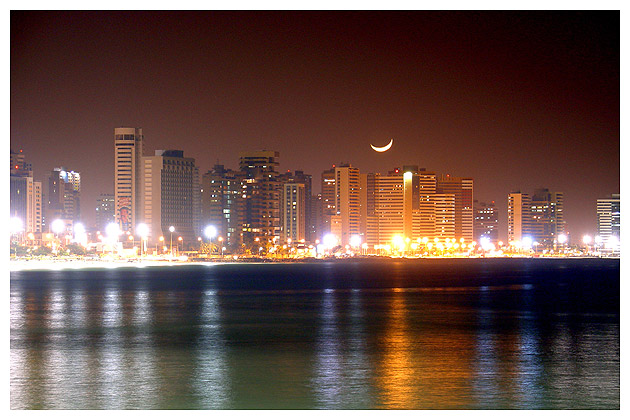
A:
(347, 204)
(170, 189)
(609, 220)
(293, 211)
(300, 177)
(128, 152)
(486, 222)
(105, 213)
(547, 216)
(64, 195)
(261, 197)
(327, 202)
(25, 202)
(519, 216)
(462, 189)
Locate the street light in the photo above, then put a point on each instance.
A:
(210, 232)
(142, 230)
(180, 239)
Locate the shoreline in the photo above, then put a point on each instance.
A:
(54, 265)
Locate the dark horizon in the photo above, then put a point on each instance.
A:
(515, 100)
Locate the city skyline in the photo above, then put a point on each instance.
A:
(321, 95)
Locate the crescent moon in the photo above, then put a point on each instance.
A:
(384, 148)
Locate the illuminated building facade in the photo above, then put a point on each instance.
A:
(170, 196)
(519, 216)
(128, 152)
(486, 221)
(609, 220)
(64, 195)
(293, 211)
(105, 213)
(300, 177)
(327, 202)
(547, 216)
(26, 194)
(261, 197)
(347, 204)
(462, 189)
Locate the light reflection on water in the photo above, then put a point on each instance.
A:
(114, 347)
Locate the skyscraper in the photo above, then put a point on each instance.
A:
(486, 221)
(261, 196)
(26, 195)
(104, 211)
(519, 216)
(462, 189)
(609, 220)
(128, 151)
(293, 211)
(299, 177)
(64, 195)
(547, 216)
(169, 188)
(347, 204)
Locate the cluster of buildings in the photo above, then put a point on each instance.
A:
(255, 207)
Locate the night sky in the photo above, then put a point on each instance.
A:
(516, 100)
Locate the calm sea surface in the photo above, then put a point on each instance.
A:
(361, 334)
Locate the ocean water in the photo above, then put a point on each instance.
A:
(355, 334)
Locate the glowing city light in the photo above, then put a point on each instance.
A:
(16, 225)
(142, 230)
(330, 241)
(210, 232)
(355, 241)
(58, 226)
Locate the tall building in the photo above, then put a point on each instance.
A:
(128, 152)
(300, 177)
(170, 190)
(462, 189)
(64, 195)
(222, 204)
(486, 221)
(26, 195)
(609, 219)
(547, 216)
(347, 204)
(261, 197)
(105, 213)
(519, 216)
(293, 211)
(327, 202)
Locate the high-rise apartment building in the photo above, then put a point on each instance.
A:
(293, 211)
(609, 219)
(327, 202)
(261, 197)
(170, 190)
(299, 177)
(222, 204)
(462, 189)
(519, 216)
(347, 203)
(64, 195)
(105, 213)
(547, 216)
(128, 152)
(486, 221)
(25, 194)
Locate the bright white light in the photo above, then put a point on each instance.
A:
(142, 230)
(562, 238)
(355, 241)
(79, 229)
(330, 241)
(484, 242)
(586, 239)
(112, 230)
(171, 229)
(527, 242)
(598, 239)
(16, 225)
(210, 232)
(58, 226)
